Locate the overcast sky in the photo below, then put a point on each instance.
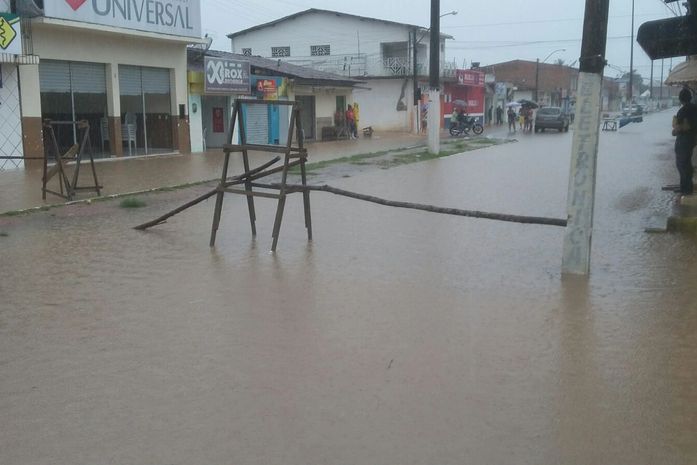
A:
(485, 31)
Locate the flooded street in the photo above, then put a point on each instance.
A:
(395, 337)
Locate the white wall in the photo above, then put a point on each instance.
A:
(196, 123)
(378, 106)
(345, 35)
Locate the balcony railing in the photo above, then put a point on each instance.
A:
(362, 65)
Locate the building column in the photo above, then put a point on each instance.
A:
(181, 138)
(32, 126)
(113, 99)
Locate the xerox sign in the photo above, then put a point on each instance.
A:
(176, 17)
(225, 76)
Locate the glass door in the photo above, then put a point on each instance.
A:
(72, 91)
(146, 109)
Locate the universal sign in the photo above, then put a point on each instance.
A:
(225, 76)
(176, 17)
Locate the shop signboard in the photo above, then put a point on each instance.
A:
(501, 89)
(226, 76)
(175, 17)
(270, 88)
(469, 77)
(10, 34)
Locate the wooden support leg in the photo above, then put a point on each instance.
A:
(44, 178)
(306, 201)
(250, 199)
(281, 203)
(277, 222)
(219, 200)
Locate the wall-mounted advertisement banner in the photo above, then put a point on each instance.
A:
(468, 77)
(10, 34)
(270, 88)
(225, 76)
(174, 17)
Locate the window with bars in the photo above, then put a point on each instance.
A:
(277, 52)
(247, 52)
(320, 50)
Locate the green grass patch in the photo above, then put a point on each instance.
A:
(132, 202)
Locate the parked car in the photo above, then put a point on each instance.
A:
(551, 118)
(634, 110)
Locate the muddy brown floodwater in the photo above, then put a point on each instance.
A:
(396, 337)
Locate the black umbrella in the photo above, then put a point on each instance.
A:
(528, 104)
(460, 104)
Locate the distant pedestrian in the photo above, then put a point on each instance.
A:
(351, 122)
(499, 115)
(685, 132)
(528, 120)
(489, 115)
(521, 119)
(511, 119)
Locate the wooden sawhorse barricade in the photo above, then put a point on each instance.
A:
(68, 187)
(292, 156)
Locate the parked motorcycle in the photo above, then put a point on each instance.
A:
(462, 128)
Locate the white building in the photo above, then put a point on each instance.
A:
(376, 51)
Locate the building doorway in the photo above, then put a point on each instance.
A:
(72, 91)
(215, 119)
(307, 115)
(146, 104)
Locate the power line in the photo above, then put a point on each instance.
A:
(537, 21)
(524, 44)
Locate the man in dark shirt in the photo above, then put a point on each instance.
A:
(685, 132)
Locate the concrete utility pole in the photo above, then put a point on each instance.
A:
(584, 152)
(434, 81)
(415, 79)
(631, 61)
(651, 82)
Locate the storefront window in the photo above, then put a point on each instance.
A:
(72, 91)
(146, 108)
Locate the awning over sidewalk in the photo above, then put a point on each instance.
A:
(683, 74)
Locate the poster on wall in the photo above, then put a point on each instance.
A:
(470, 77)
(226, 76)
(218, 120)
(175, 17)
(270, 88)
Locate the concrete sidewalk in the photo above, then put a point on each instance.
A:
(21, 189)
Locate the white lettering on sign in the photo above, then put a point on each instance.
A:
(177, 17)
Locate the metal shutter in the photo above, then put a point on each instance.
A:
(54, 76)
(257, 124)
(88, 78)
(130, 80)
(156, 80)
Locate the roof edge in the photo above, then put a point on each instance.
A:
(323, 11)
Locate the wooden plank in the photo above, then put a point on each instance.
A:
(259, 148)
(250, 193)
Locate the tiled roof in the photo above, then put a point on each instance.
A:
(272, 67)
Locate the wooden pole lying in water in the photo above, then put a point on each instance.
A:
(427, 208)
